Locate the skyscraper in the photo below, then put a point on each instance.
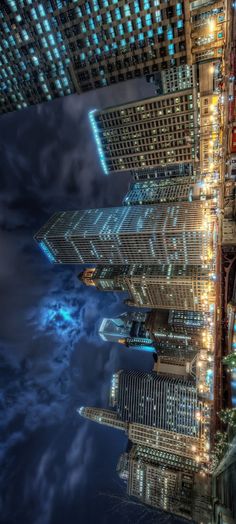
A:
(148, 133)
(159, 486)
(180, 338)
(162, 287)
(128, 329)
(150, 235)
(173, 79)
(162, 172)
(35, 62)
(179, 189)
(54, 49)
(162, 480)
(207, 23)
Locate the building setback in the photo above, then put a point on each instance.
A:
(177, 233)
(148, 133)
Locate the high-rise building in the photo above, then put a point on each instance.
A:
(147, 398)
(207, 26)
(162, 172)
(128, 329)
(181, 447)
(173, 79)
(158, 485)
(166, 287)
(35, 62)
(162, 287)
(107, 417)
(150, 235)
(56, 48)
(148, 133)
(178, 338)
(174, 365)
(180, 189)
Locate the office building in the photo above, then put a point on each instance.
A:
(178, 336)
(207, 29)
(56, 48)
(148, 133)
(162, 287)
(179, 189)
(128, 329)
(160, 481)
(173, 79)
(163, 402)
(109, 42)
(188, 320)
(107, 417)
(162, 172)
(184, 448)
(166, 287)
(159, 486)
(150, 235)
(173, 365)
(34, 59)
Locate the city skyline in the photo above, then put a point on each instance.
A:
(138, 199)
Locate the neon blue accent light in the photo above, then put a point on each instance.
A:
(47, 252)
(98, 141)
(148, 349)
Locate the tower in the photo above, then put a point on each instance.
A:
(148, 133)
(128, 329)
(150, 235)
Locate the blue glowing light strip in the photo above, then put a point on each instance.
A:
(47, 252)
(98, 141)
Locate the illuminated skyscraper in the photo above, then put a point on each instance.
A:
(159, 401)
(34, 59)
(162, 480)
(157, 485)
(148, 133)
(110, 41)
(128, 329)
(162, 287)
(162, 172)
(179, 339)
(179, 189)
(207, 22)
(150, 235)
(173, 79)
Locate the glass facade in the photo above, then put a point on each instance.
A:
(180, 233)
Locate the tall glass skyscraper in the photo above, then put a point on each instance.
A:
(150, 235)
(128, 329)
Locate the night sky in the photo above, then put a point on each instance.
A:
(56, 467)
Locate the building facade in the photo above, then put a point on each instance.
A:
(109, 42)
(150, 235)
(173, 79)
(148, 133)
(162, 172)
(179, 189)
(128, 329)
(162, 287)
(207, 26)
(159, 486)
